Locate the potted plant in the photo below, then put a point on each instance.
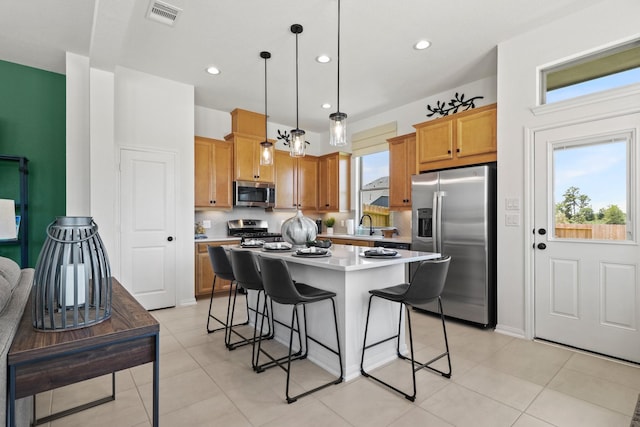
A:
(329, 223)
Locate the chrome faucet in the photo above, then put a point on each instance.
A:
(370, 223)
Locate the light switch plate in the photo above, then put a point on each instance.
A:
(512, 204)
(206, 223)
(512, 220)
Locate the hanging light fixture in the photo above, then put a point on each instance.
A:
(297, 144)
(266, 147)
(338, 120)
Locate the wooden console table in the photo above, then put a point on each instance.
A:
(40, 361)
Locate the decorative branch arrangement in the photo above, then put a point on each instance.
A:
(456, 104)
(285, 137)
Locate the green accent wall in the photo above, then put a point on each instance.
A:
(33, 125)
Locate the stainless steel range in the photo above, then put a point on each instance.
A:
(252, 229)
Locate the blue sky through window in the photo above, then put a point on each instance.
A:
(598, 170)
(375, 166)
(596, 85)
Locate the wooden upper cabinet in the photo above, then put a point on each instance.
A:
(402, 164)
(307, 181)
(476, 133)
(461, 139)
(286, 185)
(296, 181)
(334, 182)
(213, 173)
(247, 122)
(246, 154)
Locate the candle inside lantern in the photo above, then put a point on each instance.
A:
(72, 275)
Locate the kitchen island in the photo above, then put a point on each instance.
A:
(350, 275)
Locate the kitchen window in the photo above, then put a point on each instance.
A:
(370, 151)
(373, 188)
(604, 70)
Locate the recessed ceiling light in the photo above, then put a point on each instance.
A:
(213, 70)
(422, 44)
(323, 59)
(326, 105)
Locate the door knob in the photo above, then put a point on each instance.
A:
(542, 231)
(542, 246)
(170, 239)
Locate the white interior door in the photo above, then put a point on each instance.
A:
(148, 224)
(587, 291)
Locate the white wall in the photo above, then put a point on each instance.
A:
(103, 174)
(416, 112)
(77, 126)
(518, 60)
(158, 114)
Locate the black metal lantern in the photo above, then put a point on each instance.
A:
(72, 281)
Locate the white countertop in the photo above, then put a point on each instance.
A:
(374, 238)
(346, 257)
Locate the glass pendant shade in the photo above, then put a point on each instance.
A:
(297, 146)
(297, 143)
(266, 153)
(266, 147)
(338, 120)
(338, 129)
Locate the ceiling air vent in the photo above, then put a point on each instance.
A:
(163, 12)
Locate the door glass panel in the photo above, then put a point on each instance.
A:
(591, 193)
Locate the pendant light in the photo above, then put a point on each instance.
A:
(266, 147)
(338, 120)
(297, 144)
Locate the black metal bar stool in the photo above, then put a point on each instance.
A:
(279, 286)
(426, 285)
(221, 269)
(247, 275)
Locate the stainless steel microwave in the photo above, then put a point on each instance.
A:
(254, 194)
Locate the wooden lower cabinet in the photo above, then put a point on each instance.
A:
(354, 242)
(204, 271)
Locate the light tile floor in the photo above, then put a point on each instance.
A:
(497, 381)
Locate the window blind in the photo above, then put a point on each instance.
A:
(372, 140)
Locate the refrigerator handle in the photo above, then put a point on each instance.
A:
(437, 203)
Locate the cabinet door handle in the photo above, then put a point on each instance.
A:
(457, 150)
(448, 151)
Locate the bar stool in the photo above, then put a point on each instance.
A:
(247, 275)
(222, 269)
(426, 285)
(279, 286)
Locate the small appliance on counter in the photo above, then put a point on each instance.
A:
(351, 226)
(252, 229)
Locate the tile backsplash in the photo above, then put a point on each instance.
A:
(401, 220)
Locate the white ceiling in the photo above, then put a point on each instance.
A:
(379, 67)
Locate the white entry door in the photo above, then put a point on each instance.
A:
(587, 291)
(148, 224)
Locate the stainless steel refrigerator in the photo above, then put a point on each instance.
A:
(454, 213)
